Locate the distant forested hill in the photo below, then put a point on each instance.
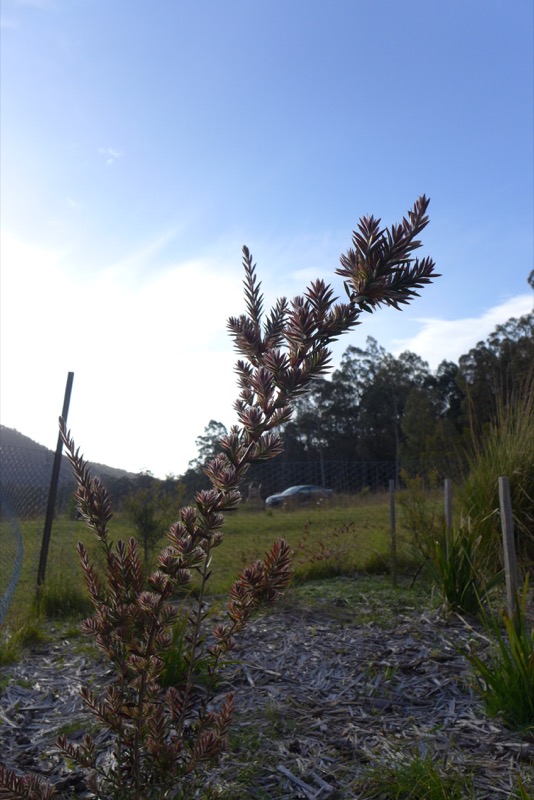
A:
(26, 465)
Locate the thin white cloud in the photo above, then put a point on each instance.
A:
(144, 254)
(441, 339)
(111, 154)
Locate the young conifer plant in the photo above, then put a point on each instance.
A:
(163, 738)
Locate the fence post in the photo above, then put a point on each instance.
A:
(448, 513)
(54, 480)
(393, 532)
(510, 563)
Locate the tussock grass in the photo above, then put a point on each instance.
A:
(505, 448)
(13, 642)
(60, 599)
(455, 568)
(506, 676)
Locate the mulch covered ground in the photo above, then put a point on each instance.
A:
(321, 698)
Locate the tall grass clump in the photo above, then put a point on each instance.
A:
(504, 448)
(506, 676)
(60, 599)
(13, 642)
(457, 572)
(452, 562)
(164, 739)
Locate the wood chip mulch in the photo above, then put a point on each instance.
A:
(320, 701)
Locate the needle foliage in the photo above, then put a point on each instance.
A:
(164, 738)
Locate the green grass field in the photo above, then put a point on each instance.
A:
(334, 539)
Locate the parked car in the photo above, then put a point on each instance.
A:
(298, 494)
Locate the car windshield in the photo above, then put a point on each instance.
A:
(294, 489)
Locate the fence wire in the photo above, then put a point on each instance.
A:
(344, 477)
(25, 474)
(24, 485)
(11, 549)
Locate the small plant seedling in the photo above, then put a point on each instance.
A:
(417, 778)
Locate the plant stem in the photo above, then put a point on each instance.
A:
(195, 638)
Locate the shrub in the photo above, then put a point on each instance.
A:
(29, 787)
(151, 509)
(163, 740)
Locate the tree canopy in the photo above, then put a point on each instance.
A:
(382, 408)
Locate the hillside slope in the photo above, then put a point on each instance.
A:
(26, 469)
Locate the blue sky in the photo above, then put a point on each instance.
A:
(142, 144)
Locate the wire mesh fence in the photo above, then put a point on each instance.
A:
(343, 477)
(11, 550)
(25, 481)
(25, 474)
(24, 484)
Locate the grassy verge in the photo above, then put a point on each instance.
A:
(63, 574)
(333, 539)
(366, 598)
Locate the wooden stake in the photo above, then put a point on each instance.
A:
(510, 562)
